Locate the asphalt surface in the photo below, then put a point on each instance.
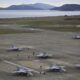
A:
(65, 51)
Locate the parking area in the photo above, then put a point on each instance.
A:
(64, 49)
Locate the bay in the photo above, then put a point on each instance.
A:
(34, 13)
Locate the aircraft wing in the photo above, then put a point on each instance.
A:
(17, 65)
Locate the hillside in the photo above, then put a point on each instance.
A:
(68, 7)
(42, 6)
(36, 6)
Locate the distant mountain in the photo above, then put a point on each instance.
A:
(42, 6)
(22, 7)
(37, 6)
(1, 8)
(68, 7)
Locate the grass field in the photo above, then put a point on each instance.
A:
(59, 23)
(12, 31)
(70, 20)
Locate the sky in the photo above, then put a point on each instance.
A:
(6, 3)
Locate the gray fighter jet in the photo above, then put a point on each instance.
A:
(55, 68)
(76, 37)
(21, 70)
(43, 55)
(14, 48)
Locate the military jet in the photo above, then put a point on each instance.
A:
(14, 48)
(55, 68)
(76, 37)
(20, 48)
(21, 70)
(43, 55)
(77, 66)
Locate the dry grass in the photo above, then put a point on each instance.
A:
(73, 20)
(60, 23)
(14, 31)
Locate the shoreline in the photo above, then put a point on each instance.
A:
(35, 13)
(39, 17)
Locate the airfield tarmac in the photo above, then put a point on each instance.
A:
(64, 49)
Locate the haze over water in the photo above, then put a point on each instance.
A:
(34, 13)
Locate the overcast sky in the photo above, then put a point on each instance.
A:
(4, 3)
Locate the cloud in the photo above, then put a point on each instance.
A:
(53, 2)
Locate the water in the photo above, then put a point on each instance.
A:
(34, 13)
